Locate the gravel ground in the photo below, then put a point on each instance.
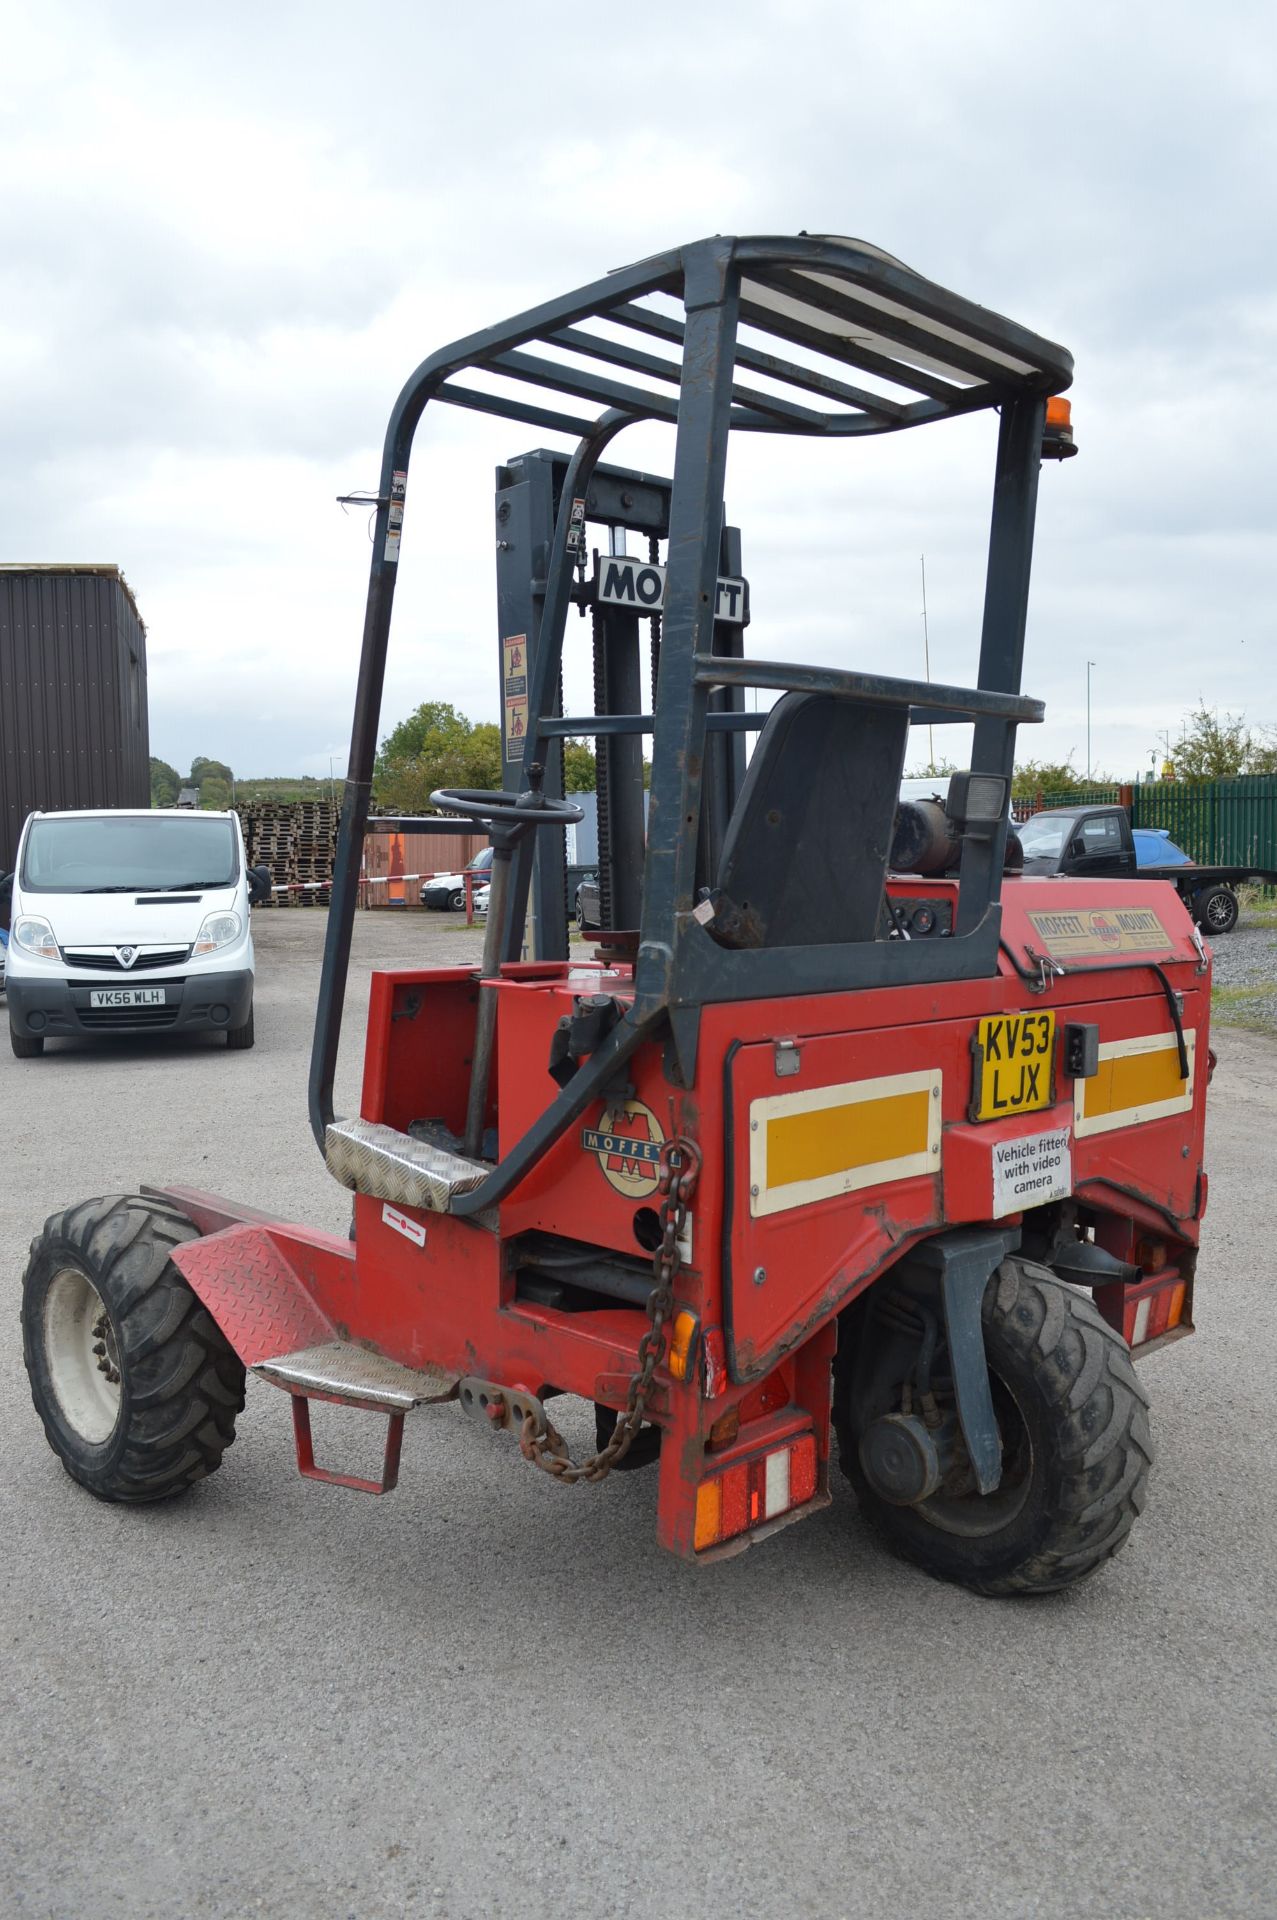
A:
(488, 1696)
(1245, 973)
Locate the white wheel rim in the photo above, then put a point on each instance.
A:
(75, 1323)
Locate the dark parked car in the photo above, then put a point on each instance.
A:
(589, 917)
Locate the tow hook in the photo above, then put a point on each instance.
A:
(497, 1406)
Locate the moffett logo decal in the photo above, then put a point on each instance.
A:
(627, 1142)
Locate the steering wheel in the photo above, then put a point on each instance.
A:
(532, 809)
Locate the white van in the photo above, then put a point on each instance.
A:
(124, 922)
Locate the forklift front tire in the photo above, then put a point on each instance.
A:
(1075, 1438)
(136, 1385)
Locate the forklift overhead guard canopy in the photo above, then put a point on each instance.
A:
(839, 303)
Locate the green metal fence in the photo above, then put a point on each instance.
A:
(1224, 823)
(1084, 797)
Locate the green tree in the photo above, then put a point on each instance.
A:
(202, 770)
(434, 747)
(1211, 748)
(483, 756)
(934, 770)
(215, 794)
(166, 783)
(1033, 777)
(1263, 752)
(580, 772)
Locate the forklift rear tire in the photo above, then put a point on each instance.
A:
(239, 1039)
(136, 1385)
(1075, 1436)
(25, 1047)
(1217, 910)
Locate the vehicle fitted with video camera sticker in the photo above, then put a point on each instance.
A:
(821, 1142)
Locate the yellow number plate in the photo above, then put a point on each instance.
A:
(1014, 1064)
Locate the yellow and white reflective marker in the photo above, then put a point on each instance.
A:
(811, 1145)
(1138, 1080)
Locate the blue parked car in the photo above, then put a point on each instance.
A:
(1155, 848)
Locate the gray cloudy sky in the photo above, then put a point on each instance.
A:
(228, 234)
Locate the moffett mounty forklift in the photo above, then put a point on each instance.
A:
(840, 1127)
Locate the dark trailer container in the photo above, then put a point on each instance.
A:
(73, 714)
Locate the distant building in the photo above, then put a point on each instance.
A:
(189, 797)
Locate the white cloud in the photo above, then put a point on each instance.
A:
(226, 237)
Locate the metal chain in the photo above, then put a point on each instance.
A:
(654, 559)
(679, 1165)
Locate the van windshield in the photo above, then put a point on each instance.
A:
(128, 853)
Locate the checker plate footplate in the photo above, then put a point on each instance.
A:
(347, 1372)
(253, 1294)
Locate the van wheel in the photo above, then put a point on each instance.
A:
(240, 1038)
(457, 901)
(1076, 1447)
(136, 1384)
(24, 1046)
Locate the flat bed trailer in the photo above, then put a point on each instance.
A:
(1099, 843)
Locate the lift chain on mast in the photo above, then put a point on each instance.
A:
(679, 1165)
(603, 770)
(654, 560)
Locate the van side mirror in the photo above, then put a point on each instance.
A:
(259, 885)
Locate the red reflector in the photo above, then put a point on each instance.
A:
(735, 1502)
(802, 1471)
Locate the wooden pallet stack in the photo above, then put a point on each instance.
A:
(297, 842)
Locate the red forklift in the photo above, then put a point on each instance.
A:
(842, 1128)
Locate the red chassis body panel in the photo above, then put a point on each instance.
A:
(769, 1266)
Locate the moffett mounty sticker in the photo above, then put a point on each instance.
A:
(1030, 1171)
(394, 524)
(1101, 930)
(627, 1143)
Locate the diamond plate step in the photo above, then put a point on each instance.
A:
(346, 1372)
(389, 1165)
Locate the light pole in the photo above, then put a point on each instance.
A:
(1089, 665)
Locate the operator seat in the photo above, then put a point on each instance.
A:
(805, 853)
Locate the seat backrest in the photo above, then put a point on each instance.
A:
(805, 853)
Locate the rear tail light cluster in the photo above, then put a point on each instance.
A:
(753, 1491)
(1153, 1308)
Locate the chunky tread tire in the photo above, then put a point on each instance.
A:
(25, 1047)
(1074, 1382)
(181, 1383)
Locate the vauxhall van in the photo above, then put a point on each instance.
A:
(129, 923)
